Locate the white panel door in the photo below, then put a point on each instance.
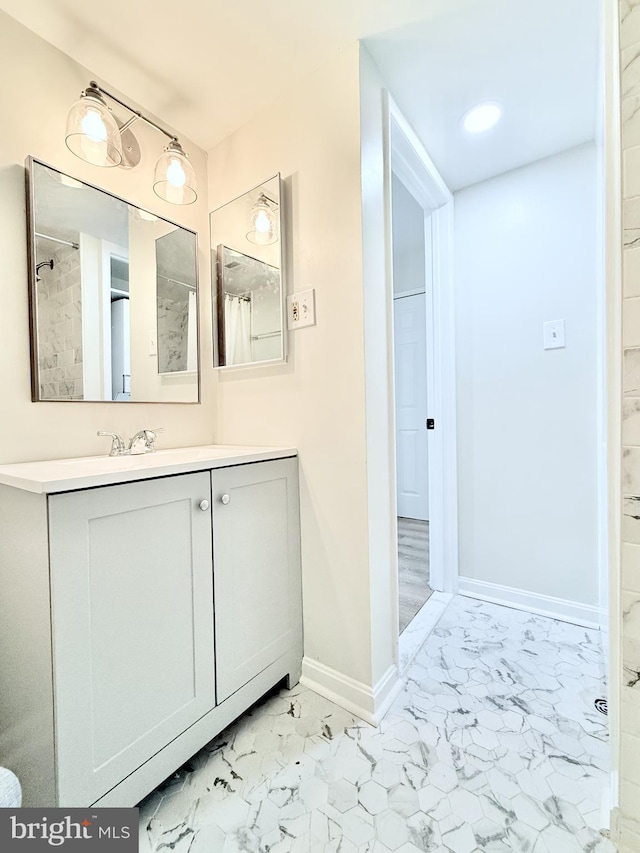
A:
(256, 569)
(132, 604)
(120, 350)
(410, 345)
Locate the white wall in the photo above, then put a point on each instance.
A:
(48, 82)
(315, 402)
(408, 240)
(525, 245)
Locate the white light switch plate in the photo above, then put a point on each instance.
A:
(553, 332)
(301, 309)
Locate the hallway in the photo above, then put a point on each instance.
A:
(413, 568)
(493, 746)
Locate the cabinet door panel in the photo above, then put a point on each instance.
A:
(132, 601)
(256, 569)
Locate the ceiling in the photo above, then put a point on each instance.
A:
(537, 58)
(207, 66)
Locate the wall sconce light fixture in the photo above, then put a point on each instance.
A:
(263, 221)
(93, 135)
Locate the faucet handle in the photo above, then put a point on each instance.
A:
(117, 443)
(151, 435)
(144, 441)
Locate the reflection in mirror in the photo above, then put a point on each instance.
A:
(247, 257)
(177, 307)
(113, 297)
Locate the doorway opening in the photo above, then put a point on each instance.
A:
(421, 238)
(530, 315)
(410, 265)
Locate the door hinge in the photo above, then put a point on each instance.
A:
(431, 424)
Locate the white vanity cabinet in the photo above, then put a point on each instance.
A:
(256, 545)
(171, 603)
(132, 620)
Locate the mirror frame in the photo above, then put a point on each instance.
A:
(33, 295)
(218, 288)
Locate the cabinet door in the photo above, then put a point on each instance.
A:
(256, 570)
(132, 603)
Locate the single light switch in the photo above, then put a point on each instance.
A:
(301, 309)
(553, 331)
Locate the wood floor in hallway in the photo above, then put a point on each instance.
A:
(413, 567)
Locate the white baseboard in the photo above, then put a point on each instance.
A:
(368, 703)
(533, 602)
(606, 809)
(415, 634)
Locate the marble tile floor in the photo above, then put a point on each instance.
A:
(413, 568)
(494, 745)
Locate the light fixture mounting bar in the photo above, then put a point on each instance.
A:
(136, 113)
(268, 199)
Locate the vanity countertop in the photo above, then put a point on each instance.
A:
(65, 475)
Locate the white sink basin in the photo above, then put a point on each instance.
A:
(150, 460)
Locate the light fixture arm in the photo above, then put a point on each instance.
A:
(262, 198)
(136, 114)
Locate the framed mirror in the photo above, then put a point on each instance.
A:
(113, 297)
(247, 263)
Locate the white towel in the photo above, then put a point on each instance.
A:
(10, 790)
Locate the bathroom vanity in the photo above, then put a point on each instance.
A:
(145, 603)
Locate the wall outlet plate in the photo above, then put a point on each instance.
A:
(301, 309)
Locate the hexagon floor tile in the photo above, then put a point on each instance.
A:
(494, 745)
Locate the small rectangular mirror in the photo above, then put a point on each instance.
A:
(247, 263)
(113, 296)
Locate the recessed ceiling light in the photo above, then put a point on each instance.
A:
(481, 118)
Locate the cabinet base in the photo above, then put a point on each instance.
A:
(143, 780)
(292, 678)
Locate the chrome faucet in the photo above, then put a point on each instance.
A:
(144, 441)
(117, 443)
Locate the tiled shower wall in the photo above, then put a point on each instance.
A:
(60, 323)
(173, 326)
(629, 825)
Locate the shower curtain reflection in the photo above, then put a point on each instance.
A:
(237, 319)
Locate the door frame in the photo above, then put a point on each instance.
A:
(410, 162)
(610, 390)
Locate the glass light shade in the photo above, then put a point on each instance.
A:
(93, 134)
(174, 179)
(263, 222)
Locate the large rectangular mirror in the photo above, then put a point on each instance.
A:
(113, 295)
(247, 264)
